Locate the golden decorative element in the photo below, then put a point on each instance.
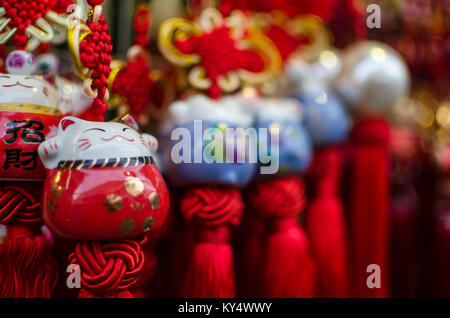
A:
(134, 186)
(28, 108)
(147, 224)
(315, 30)
(5, 36)
(52, 206)
(116, 66)
(137, 207)
(56, 192)
(172, 30)
(154, 200)
(113, 202)
(127, 226)
(75, 35)
(258, 42)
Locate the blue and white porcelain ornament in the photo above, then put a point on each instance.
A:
(300, 73)
(194, 142)
(288, 141)
(373, 77)
(326, 118)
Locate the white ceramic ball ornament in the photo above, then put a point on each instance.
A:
(373, 77)
(21, 63)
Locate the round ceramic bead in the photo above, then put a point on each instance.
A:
(47, 63)
(373, 76)
(20, 62)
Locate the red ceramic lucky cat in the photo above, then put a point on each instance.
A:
(102, 184)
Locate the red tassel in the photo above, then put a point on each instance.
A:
(288, 267)
(211, 211)
(27, 266)
(250, 256)
(109, 269)
(326, 226)
(369, 206)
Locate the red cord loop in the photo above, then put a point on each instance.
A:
(220, 55)
(135, 84)
(110, 266)
(212, 206)
(19, 204)
(278, 198)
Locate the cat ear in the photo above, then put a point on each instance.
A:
(69, 122)
(151, 142)
(130, 121)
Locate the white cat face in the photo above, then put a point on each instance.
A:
(78, 139)
(27, 89)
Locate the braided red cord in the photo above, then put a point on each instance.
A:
(95, 54)
(219, 55)
(24, 13)
(19, 204)
(278, 198)
(27, 266)
(212, 206)
(211, 210)
(141, 25)
(108, 267)
(287, 268)
(135, 84)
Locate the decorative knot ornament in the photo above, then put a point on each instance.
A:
(90, 44)
(221, 52)
(30, 23)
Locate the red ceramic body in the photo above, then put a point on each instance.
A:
(75, 203)
(22, 128)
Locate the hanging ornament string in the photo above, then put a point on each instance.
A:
(91, 47)
(134, 80)
(134, 83)
(141, 24)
